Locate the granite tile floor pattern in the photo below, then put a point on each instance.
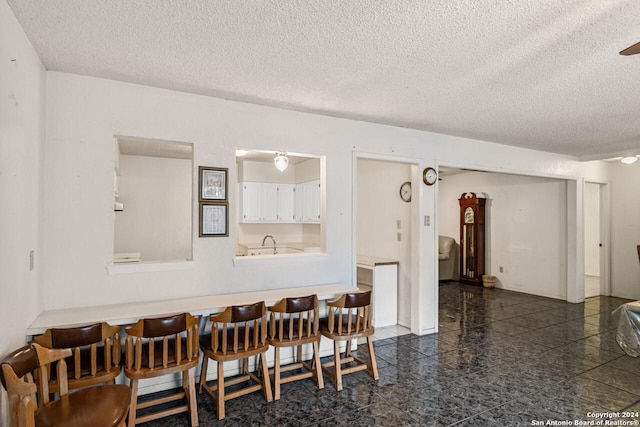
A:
(501, 358)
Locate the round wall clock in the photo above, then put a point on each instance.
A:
(429, 176)
(405, 191)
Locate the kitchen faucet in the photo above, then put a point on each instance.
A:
(269, 236)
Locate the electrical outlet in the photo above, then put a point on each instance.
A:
(398, 224)
(501, 269)
(399, 237)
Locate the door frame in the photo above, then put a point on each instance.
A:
(417, 316)
(605, 236)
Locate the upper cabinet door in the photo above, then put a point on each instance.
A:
(250, 202)
(308, 202)
(259, 202)
(286, 202)
(269, 201)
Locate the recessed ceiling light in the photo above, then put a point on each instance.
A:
(627, 160)
(240, 153)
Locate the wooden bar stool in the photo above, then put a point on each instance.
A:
(237, 333)
(294, 322)
(30, 405)
(95, 355)
(349, 318)
(156, 347)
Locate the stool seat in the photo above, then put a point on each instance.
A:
(104, 406)
(343, 332)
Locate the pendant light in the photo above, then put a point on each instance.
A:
(281, 161)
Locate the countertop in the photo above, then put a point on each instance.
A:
(371, 261)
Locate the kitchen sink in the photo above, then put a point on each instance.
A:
(269, 251)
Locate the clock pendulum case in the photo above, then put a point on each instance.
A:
(472, 238)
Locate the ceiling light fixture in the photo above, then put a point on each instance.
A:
(281, 161)
(240, 153)
(627, 160)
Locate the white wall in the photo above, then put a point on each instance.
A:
(253, 171)
(156, 221)
(22, 85)
(84, 113)
(526, 228)
(250, 234)
(625, 232)
(379, 207)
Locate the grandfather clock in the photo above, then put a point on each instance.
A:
(471, 238)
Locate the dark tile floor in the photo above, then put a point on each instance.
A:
(501, 359)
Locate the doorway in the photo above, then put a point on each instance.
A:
(593, 248)
(383, 220)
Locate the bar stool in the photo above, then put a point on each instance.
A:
(97, 406)
(349, 318)
(156, 347)
(294, 322)
(237, 333)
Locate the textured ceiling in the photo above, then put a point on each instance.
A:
(541, 74)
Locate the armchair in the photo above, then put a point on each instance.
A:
(447, 258)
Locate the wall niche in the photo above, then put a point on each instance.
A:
(153, 186)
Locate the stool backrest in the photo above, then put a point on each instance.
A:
(350, 314)
(239, 328)
(95, 351)
(19, 372)
(294, 318)
(164, 336)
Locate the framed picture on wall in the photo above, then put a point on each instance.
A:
(213, 183)
(214, 219)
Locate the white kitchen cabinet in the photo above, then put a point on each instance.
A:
(280, 203)
(259, 202)
(308, 201)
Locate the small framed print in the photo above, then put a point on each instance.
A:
(214, 219)
(213, 183)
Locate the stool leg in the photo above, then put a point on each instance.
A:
(134, 403)
(318, 365)
(203, 373)
(337, 365)
(347, 351)
(191, 393)
(276, 374)
(267, 383)
(220, 394)
(299, 354)
(372, 364)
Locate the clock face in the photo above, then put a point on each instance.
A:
(468, 216)
(405, 191)
(429, 176)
